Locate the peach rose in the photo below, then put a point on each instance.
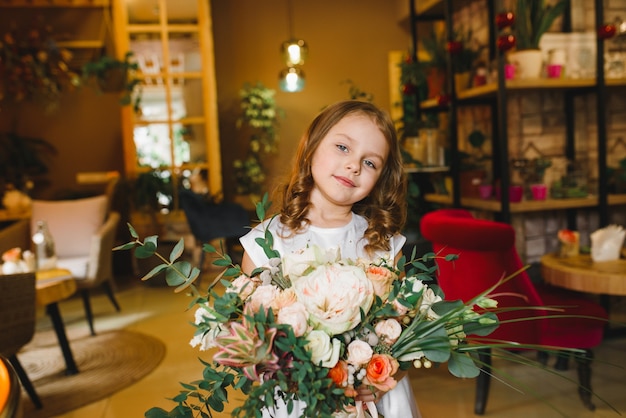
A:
(243, 285)
(380, 370)
(285, 298)
(296, 316)
(359, 352)
(381, 279)
(262, 296)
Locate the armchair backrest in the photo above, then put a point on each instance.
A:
(486, 253)
(72, 223)
(17, 311)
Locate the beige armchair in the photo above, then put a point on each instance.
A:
(84, 236)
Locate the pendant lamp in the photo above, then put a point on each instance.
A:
(294, 52)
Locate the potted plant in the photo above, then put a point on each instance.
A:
(110, 75)
(436, 47)
(533, 18)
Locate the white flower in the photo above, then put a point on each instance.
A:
(209, 329)
(296, 316)
(322, 349)
(334, 295)
(428, 299)
(300, 262)
(388, 330)
(359, 353)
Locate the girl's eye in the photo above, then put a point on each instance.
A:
(369, 164)
(341, 147)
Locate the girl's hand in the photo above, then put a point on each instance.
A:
(368, 393)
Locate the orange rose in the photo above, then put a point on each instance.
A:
(380, 370)
(339, 373)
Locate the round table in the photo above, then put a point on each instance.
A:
(583, 274)
(52, 287)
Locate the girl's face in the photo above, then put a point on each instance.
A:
(348, 161)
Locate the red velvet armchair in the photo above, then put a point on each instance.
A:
(486, 253)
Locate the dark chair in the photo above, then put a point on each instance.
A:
(209, 221)
(17, 322)
(486, 253)
(10, 391)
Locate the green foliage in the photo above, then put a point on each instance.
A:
(465, 59)
(110, 74)
(533, 18)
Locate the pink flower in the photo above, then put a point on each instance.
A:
(243, 285)
(263, 296)
(296, 316)
(359, 352)
(380, 370)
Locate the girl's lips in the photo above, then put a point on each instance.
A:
(345, 181)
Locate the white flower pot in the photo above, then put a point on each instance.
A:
(528, 63)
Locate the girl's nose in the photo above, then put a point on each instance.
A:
(353, 166)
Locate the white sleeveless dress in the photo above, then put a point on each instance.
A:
(398, 402)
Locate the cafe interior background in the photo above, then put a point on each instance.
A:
(354, 47)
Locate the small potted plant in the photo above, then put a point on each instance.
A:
(532, 19)
(110, 75)
(436, 47)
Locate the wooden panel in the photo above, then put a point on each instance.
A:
(54, 3)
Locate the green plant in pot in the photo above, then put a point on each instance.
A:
(533, 18)
(111, 75)
(435, 46)
(24, 160)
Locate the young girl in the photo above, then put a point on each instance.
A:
(348, 190)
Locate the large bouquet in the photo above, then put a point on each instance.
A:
(313, 326)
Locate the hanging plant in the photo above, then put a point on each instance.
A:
(34, 68)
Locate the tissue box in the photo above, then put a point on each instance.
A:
(606, 243)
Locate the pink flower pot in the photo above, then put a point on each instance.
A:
(539, 191)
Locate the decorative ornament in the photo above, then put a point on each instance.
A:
(606, 31)
(454, 47)
(506, 42)
(505, 20)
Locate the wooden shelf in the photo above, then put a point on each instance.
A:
(85, 44)
(526, 205)
(428, 7)
(434, 169)
(54, 3)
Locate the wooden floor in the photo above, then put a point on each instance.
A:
(529, 392)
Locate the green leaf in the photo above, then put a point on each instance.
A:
(132, 231)
(177, 251)
(461, 365)
(208, 248)
(156, 270)
(215, 404)
(126, 246)
(146, 250)
(156, 413)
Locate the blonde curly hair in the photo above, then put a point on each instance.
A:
(384, 208)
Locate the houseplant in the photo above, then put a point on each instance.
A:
(465, 51)
(259, 120)
(436, 46)
(110, 75)
(533, 18)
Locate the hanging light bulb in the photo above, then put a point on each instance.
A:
(294, 52)
(291, 80)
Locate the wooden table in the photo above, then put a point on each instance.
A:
(581, 273)
(52, 287)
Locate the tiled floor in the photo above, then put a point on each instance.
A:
(159, 312)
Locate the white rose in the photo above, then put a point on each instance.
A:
(297, 263)
(296, 316)
(359, 353)
(428, 299)
(334, 295)
(263, 296)
(322, 349)
(389, 330)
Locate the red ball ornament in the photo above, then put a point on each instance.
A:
(454, 47)
(408, 89)
(506, 42)
(606, 31)
(505, 20)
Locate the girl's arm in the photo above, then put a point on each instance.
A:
(246, 264)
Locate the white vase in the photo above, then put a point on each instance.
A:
(528, 63)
